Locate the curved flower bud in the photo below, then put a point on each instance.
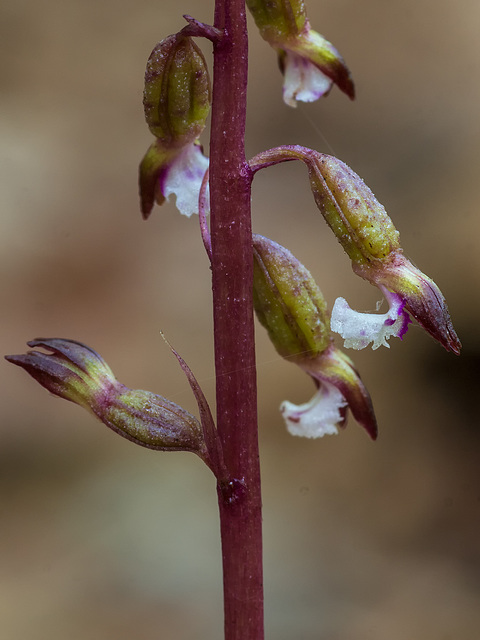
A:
(77, 373)
(176, 101)
(291, 307)
(310, 64)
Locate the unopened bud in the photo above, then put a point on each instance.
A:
(177, 91)
(76, 373)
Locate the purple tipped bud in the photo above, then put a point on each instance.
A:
(166, 173)
(421, 296)
(75, 372)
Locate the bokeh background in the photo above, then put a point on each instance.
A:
(101, 539)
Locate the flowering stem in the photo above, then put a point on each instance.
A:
(232, 278)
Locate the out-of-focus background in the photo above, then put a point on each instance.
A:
(101, 539)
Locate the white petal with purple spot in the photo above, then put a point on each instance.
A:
(360, 329)
(318, 417)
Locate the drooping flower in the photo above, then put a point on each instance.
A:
(176, 100)
(289, 304)
(370, 239)
(76, 373)
(310, 64)
(368, 236)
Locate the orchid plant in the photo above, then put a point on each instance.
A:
(250, 273)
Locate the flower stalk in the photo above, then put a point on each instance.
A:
(232, 277)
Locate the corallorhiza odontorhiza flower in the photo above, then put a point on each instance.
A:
(176, 100)
(250, 272)
(291, 307)
(310, 64)
(368, 236)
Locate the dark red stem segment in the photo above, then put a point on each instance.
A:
(232, 276)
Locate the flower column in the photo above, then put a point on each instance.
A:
(232, 276)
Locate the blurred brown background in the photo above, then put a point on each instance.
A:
(101, 539)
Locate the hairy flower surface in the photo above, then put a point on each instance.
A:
(291, 307)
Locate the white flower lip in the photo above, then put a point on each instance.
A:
(303, 81)
(183, 178)
(360, 329)
(318, 417)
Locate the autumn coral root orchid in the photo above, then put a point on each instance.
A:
(176, 101)
(369, 237)
(75, 372)
(310, 64)
(290, 306)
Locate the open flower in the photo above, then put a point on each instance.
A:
(291, 307)
(310, 64)
(176, 100)
(370, 239)
(360, 329)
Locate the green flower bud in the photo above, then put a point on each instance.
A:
(358, 220)
(76, 373)
(177, 91)
(288, 302)
(368, 236)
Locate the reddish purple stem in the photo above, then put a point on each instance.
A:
(232, 277)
